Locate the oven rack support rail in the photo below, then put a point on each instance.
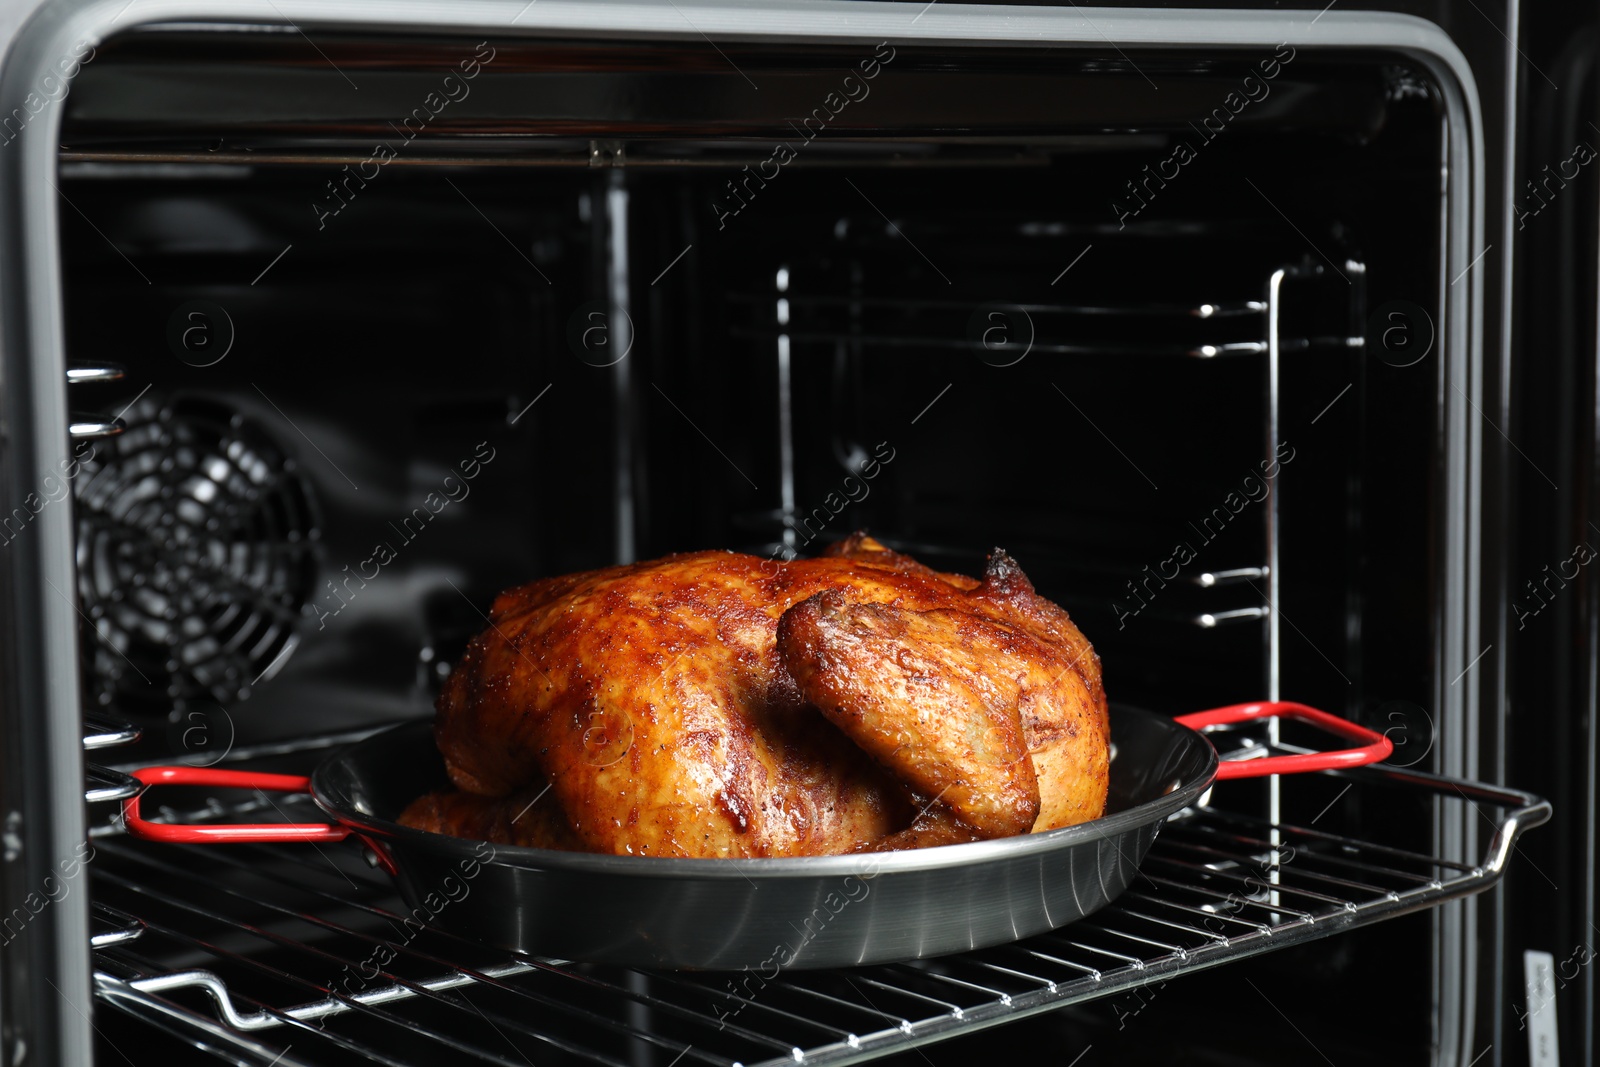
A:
(102, 784)
(1221, 328)
(1217, 886)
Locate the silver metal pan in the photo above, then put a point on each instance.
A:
(755, 914)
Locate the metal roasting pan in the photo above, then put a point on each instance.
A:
(755, 914)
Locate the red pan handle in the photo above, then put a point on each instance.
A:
(1374, 746)
(138, 826)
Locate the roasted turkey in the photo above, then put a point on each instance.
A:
(715, 704)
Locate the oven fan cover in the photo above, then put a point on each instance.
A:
(197, 552)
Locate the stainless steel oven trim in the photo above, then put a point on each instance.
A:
(39, 697)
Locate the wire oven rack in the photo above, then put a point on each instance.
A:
(284, 954)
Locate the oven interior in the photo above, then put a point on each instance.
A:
(586, 311)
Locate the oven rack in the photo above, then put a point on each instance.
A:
(240, 950)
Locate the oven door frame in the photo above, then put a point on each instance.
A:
(45, 979)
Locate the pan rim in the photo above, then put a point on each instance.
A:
(330, 800)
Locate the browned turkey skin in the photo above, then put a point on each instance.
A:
(714, 704)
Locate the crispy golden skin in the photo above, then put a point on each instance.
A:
(918, 691)
(673, 707)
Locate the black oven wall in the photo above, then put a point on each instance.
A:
(333, 464)
(360, 408)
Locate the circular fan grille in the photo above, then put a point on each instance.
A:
(196, 556)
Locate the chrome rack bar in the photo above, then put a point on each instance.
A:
(80, 372)
(89, 427)
(1219, 310)
(101, 732)
(319, 1009)
(921, 341)
(116, 927)
(103, 785)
